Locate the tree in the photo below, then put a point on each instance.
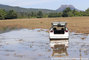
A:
(65, 12)
(52, 15)
(82, 13)
(55, 14)
(70, 14)
(39, 14)
(11, 14)
(77, 13)
(60, 14)
(87, 12)
(74, 12)
(33, 14)
(2, 14)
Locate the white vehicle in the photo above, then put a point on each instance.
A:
(59, 31)
(59, 34)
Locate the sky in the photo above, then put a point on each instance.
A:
(47, 4)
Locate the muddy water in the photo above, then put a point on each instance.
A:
(34, 45)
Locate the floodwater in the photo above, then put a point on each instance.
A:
(34, 44)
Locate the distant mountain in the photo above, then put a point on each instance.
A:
(20, 9)
(63, 7)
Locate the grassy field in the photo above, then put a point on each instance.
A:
(75, 24)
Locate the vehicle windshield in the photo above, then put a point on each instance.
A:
(58, 28)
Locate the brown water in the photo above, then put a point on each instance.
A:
(34, 45)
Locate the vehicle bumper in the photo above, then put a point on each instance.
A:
(59, 38)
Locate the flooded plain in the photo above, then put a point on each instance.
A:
(34, 44)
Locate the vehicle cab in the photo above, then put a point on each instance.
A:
(59, 34)
(59, 31)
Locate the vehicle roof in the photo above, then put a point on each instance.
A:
(59, 23)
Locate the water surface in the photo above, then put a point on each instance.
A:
(27, 44)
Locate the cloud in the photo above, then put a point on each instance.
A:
(25, 2)
(33, 2)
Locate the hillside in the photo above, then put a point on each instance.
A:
(63, 7)
(20, 9)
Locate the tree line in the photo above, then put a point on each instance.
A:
(11, 14)
(70, 13)
(7, 14)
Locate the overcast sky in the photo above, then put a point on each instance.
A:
(48, 4)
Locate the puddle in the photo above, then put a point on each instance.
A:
(27, 44)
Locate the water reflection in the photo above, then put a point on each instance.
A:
(59, 51)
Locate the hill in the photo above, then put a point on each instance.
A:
(20, 9)
(63, 7)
